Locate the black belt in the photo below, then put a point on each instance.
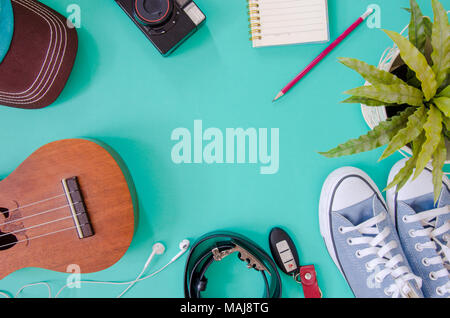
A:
(218, 245)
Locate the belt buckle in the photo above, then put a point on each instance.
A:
(244, 255)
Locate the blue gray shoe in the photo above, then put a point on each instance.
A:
(361, 238)
(424, 229)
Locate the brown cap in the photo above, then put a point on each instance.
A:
(40, 57)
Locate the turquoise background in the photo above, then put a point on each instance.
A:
(124, 93)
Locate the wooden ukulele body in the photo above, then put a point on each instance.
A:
(38, 218)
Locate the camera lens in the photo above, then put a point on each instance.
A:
(153, 12)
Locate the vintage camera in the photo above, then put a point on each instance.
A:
(167, 23)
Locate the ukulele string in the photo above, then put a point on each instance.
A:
(42, 224)
(38, 225)
(38, 236)
(37, 202)
(39, 213)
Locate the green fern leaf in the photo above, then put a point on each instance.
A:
(440, 41)
(445, 92)
(443, 103)
(390, 94)
(375, 138)
(428, 27)
(405, 173)
(417, 63)
(413, 129)
(427, 23)
(446, 121)
(433, 130)
(417, 33)
(366, 101)
(447, 133)
(370, 73)
(439, 157)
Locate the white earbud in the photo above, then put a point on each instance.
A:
(157, 249)
(184, 246)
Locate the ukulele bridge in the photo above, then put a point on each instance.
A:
(77, 207)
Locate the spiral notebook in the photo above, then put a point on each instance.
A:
(285, 22)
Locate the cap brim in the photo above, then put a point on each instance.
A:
(40, 58)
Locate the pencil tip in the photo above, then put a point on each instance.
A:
(367, 13)
(279, 95)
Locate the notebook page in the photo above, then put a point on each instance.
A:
(284, 22)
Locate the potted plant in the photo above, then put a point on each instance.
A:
(419, 95)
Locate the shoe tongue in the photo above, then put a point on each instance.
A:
(405, 209)
(360, 212)
(444, 197)
(422, 203)
(442, 219)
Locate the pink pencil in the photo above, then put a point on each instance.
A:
(324, 54)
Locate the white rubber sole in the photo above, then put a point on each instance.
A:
(325, 202)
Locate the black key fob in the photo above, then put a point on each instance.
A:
(284, 251)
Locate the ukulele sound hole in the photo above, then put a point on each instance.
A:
(6, 240)
(5, 212)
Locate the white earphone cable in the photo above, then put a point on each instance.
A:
(35, 284)
(131, 283)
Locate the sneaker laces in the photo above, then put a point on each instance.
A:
(383, 257)
(428, 220)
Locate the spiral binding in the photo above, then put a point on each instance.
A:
(254, 19)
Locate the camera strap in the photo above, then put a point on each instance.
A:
(214, 247)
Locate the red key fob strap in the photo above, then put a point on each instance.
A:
(308, 279)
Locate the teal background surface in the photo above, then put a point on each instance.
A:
(125, 94)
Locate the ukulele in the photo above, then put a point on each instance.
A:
(68, 203)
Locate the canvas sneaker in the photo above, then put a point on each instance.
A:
(361, 238)
(424, 229)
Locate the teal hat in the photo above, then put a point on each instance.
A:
(6, 27)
